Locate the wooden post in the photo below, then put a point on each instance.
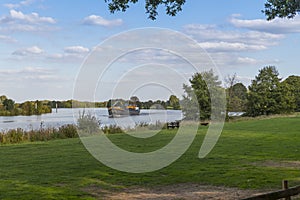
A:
(285, 186)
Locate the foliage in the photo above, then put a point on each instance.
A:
(9, 104)
(189, 104)
(294, 83)
(281, 8)
(68, 131)
(75, 104)
(174, 102)
(142, 126)
(268, 96)
(150, 104)
(111, 129)
(88, 124)
(273, 8)
(203, 86)
(237, 98)
(151, 6)
(19, 135)
(8, 107)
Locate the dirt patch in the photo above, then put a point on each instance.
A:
(179, 191)
(279, 164)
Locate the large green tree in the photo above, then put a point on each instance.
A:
(294, 83)
(197, 101)
(268, 96)
(281, 8)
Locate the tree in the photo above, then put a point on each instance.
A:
(294, 83)
(281, 8)
(189, 104)
(198, 96)
(27, 108)
(2, 98)
(230, 81)
(151, 6)
(267, 95)
(174, 102)
(237, 98)
(9, 104)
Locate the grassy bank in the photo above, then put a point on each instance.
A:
(250, 154)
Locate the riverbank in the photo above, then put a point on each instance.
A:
(253, 155)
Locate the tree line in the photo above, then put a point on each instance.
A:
(267, 94)
(172, 103)
(8, 107)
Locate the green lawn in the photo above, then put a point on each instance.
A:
(249, 154)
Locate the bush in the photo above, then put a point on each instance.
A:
(13, 136)
(88, 124)
(68, 131)
(144, 125)
(111, 129)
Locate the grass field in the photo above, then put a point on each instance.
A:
(255, 154)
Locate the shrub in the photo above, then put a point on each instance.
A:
(14, 136)
(88, 124)
(43, 134)
(112, 129)
(68, 131)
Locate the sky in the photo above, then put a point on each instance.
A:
(45, 44)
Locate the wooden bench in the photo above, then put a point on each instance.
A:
(172, 125)
(204, 123)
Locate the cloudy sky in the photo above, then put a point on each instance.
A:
(44, 43)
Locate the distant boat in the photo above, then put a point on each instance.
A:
(119, 109)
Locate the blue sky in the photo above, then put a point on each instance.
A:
(43, 43)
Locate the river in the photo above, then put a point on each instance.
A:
(70, 116)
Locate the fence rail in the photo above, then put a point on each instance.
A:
(286, 193)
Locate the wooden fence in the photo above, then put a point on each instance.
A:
(286, 193)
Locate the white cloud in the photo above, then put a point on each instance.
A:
(34, 50)
(227, 46)
(70, 54)
(27, 71)
(76, 50)
(18, 21)
(277, 25)
(205, 33)
(32, 18)
(18, 5)
(100, 21)
(27, 28)
(247, 60)
(215, 39)
(7, 39)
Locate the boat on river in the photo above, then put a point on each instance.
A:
(119, 108)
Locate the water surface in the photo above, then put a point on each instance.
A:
(65, 116)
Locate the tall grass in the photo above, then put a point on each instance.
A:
(19, 135)
(87, 124)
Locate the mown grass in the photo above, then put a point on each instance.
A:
(63, 169)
